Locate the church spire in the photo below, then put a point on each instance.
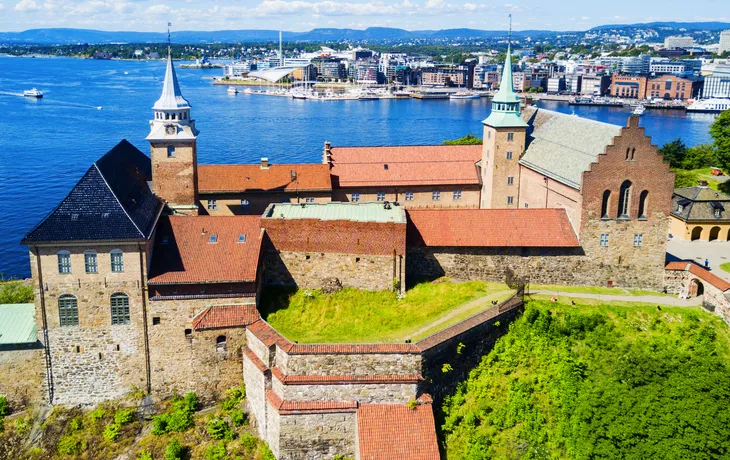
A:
(171, 98)
(506, 103)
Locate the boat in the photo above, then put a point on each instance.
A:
(33, 93)
(714, 105)
(297, 95)
(464, 95)
(368, 96)
(232, 90)
(638, 110)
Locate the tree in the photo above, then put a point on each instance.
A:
(720, 132)
(700, 156)
(674, 152)
(469, 139)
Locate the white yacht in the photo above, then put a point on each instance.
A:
(638, 110)
(464, 95)
(714, 105)
(232, 90)
(33, 93)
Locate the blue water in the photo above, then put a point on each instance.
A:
(46, 145)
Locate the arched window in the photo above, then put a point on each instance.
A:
(605, 204)
(68, 310)
(221, 344)
(696, 233)
(117, 259)
(120, 308)
(642, 204)
(624, 199)
(627, 153)
(714, 233)
(633, 151)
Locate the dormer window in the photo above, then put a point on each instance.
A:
(680, 208)
(241, 238)
(74, 217)
(213, 238)
(717, 212)
(717, 209)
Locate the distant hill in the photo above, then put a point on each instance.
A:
(72, 36)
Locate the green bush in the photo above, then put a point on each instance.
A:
(97, 414)
(71, 445)
(249, 442)
(174, 450)
(144, 455)
(233, 398)
(124, 416)
(15, 292)
(111, 432)
(159, 424)
(219, 429)
(238, 417)
(216, 451)
(179, 418)
(4, 407)
(76, 424)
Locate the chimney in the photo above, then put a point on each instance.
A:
(702, 183)
(327, 154)
(264, 163)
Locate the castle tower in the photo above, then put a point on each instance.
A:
(504, 143)
(173, 149)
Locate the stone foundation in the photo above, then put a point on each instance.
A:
(22, 376)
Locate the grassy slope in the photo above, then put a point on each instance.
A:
(725, 266)
(595, 290)
(353, 315)
(597, 381)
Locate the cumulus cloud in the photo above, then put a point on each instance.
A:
(26, 5)
(158, 10)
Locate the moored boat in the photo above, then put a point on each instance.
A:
(33, 93)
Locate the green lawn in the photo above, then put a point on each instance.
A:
(566, 300)
(595, 290)
(357, 316)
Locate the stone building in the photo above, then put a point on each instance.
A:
(700, 213)
(20, 355)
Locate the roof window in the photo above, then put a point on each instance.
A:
(74, 217)
(213, 238)
(242, 238)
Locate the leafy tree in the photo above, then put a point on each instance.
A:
(720, 132)
(674, 152)
(469, 139)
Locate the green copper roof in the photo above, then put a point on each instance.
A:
(506, 103)
(357, 212)
(17, 324)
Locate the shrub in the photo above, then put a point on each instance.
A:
(412, 404)
(174, 450)
(97, 414)
(71, 445)
(4, 407)
(159, 424)
(15, 292)
(238, 417)
(179, 421)
(233, 397)
(219, 429)
(446, 368)
(179, 418)
(216, 451)
(124, 416)
(111, 432)
(249, 442)
(144, 455)
(76, 424)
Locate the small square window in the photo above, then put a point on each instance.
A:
(510, 137)
(355, 197)
(309, 200)
(510, 200)
(510, 180)
(212, 204)
(165, 240)
(436, 195)
(457, 195)
(509, 155)
(604, 239)
(242, 238)
(638, 239)
(155, 320)
(213, 238)
(245, 203)
(380, 196)
(74, 217)
(409, 196)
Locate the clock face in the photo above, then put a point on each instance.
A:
(170, 129)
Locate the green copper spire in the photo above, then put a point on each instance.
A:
(506, 103)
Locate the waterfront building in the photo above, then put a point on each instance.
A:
(330, 68)
(628, 86)
(724, 45)
(448, 75)
(717, 85)
(556, 84)
(595, 85)
(679, 42)
(664, 66)
(672, 87)
(700, 213)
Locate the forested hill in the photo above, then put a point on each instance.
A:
(591, 382)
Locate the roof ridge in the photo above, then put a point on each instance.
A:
(579, 118)
(126, 213)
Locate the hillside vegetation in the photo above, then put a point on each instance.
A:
(597, 382)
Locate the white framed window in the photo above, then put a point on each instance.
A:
(355, 197)
(212, 205)
(120, 308)
(436, 195)
(509, 155)
(309, 200)
(638, 239)
(241, 238)
(90, 262)
(510, 180)
(510, 137)
(380, 196)
(117, 259)
(510, 200)
(604, 239)
(409, 196)
(64, 262)
(245, 203)
(457, 195)
(213, 239)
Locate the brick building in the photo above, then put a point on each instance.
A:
(670, 86)
(628, 86)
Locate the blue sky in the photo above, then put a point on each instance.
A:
(301, 15)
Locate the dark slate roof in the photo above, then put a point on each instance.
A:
(112, 201)
(699, 203)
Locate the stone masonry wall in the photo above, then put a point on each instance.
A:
(352, 364)
(315, 436)
(255, 395)
(369, 393)
(22, 374)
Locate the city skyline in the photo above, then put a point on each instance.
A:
(301, 15)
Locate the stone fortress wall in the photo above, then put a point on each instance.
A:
(304, 399)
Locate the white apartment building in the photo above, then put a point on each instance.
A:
(724, 42)
(679, 42)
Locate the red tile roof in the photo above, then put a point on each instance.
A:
(348, 349)
(394, 431)
(286, 407)
(336, 236)
(491, 228)
(251, 178)
(406, 165)
(699, 272)
(254, 359)
(219, 316)
(184, 254)
(268, 335)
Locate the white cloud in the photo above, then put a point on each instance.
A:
(26, 5)
(2, 6)
(158, 10)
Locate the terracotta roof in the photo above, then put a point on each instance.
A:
(699, 272)
(491, 228)
(405, 165)
(184, 253)
(268, 335)
(252, 178)
(348, 349)
(219, 316)
(343, 379)
(286, 407)
(254, 359)
(394, 431)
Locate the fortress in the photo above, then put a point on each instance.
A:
(149, 273)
